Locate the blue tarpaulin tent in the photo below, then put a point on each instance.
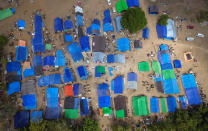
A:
(161, 31)
(68, 76)
(49, 61)
(21, 119)
(96, 21)
(13, 87)
(107, 17)
(13, 66)
(21, 53)
(177, 63)
(75, 52)
(21, 24)
(188, 81)
(29, 72)
(104, 101)
(170, 86)
(49, 80)
(68, 38)
(108, 27)
(36, 116)
(60, 59)
(132, 76)
(68, 25)
(84, 109)
(76, 89)
(119, 58)
(52, 97)
(37, 60)
(84, 43)
(193, 96)
(154, 105)
(145, 34)
(117, 85)
(172, 105)
(131, 3)
(110, 58)
(118, 23)
(53, 113)
(182, 101)
(153, 10)
(76, 103)
(123, 44)
(82, 72)
(98, 57)
(58, 25)
(103, 90)
(89, 30)
(79, 20)
(29, 102)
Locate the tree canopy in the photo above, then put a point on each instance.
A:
(163, 20)
(133, 20)
(3, 41)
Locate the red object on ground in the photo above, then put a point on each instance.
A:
(190, 27)
(68, 90)
(79, 3)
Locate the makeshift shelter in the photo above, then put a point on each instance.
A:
(21, 24)
(37, 60)
(68, 25)
(71, 113)
(103, 90)
(78, 9)
(188, 56)
(58, 25)
(123, 44)
(29, 72)
(68, 90)
(105, 111)
(21, 119)
(98, 57)
(22, 43)
(49, 61)
(68, 76)
(156, 67)
(13, 66)
(53, 113)
(6, 13)
(153, 10)
(99, 44)
(110, 58)
(183, 102)
(140, 106)
(155, 105)
(107, 17)
(79, 20)
(84, 109)
(75, 52)
(121, 6)
(12, 77)
(82, 72)
(84, 43)
(159, 83)
(168, 74)
(48, 47)
(172, 105)
(49, 80)
(76, 89)
(29, 102)
(143, 66)
(163, 104)
(132, 3)
(119, 58)
(60, 59)
(117, 85)
(177, 64)
(68, 38)
(13, 87)
(132, 81)
(104, 101)
(28, 87)
(99, 71)
(108, 27)
(120, 106)
(36, 116)
(170, 86)
(69, 102)
(138, 44)
(118, 23)
(145, 34)
(52, 97)
(21, 53)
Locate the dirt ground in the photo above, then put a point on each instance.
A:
(94, 9)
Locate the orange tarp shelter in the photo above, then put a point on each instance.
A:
(68, 90)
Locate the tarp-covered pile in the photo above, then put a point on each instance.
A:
(60, 59)
(107, 22)
(75, 52)
(117, 85)
(132, 81)
(38, 65)
(123, 44)
(120, 106)
(99, 71)
(117, 58)
(82, 72)
(140, 106)
(49, 80)
(191, 90)
(68, 76)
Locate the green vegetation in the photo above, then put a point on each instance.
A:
(134, 20)
(120, 127)
(90, 125)
(203, 16)
(163, 20)
(3, 41)
(192, 119)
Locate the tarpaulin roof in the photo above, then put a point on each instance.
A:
(120, 114)
(170, 86)
(48, 47)
(188, 81)
(132, 76)
(117, 85)
(84, 109)
(37, 60)
(76, 89)
(29, 102)
(13, 87)
(145, 34)
(110, 58)
(172, 105)
(106, 111)
(154, 105)
(38, 70)
(12, 77)
(153, 10)
(119, 58)
(82, 72)
(98, 57)
(68, 38)
(131, 3)
(49, 80)
(177, 63)
(75, 52)
(78, 9)
(21, 119)
(161, 31)
(108, 27)
(99, 70)
(163, 104)
(68, 90)
(52, 97)
(107, 17)
(103, 90)
(118, 23)
(144, 66)
(156, 67)
(28, 87)
(123, 44)
(21, 24)
(120, 104)
(99, 44)
(79, 20)
(69, 103)
(183, 102)
(68, 24)
(36, 116)
(13, 66)
(58, 24)
(132, 81)
(104, 101)
(140, 105)
(168, 74)
(76, 103)
(193, 96)
(53, 113)
(49, 61)
(21, 53)
(96, 21)
(84, 43)
(121, 6)
(137, 44)
(68, 76)
(5, 13)
(29, 72)
(89, 30)
(95, 29)
(71, 113)
(60, 59)
(21, 43)
(163, 47)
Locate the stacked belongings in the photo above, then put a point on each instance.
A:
(104, 100)
(107, 22)
(120, 106)
(38, 65)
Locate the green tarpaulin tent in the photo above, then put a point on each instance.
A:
(107, 111)
(140, 105)
(101, 69)
(120, 114)
(71, 113)
(144, 66)
(48, 47)
(5, 13)
(121, 6)
(168, 74)
(156, 67)
(163, 104)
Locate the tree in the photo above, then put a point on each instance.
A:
(134, 20)
(90, 125)
(3, 41)
(163, 20)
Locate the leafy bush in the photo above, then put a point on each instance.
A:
(3, 41)
(163, 20)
